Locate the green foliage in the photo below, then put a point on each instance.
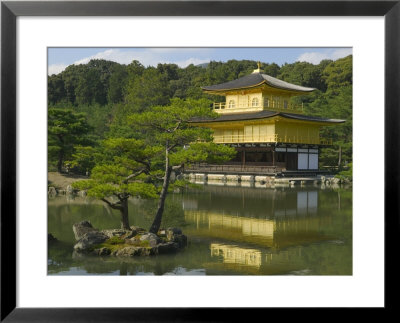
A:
(144, 243)
(115, 160)
(65, 130)
(339, 73)
(98, 118)
(83, 159)
(126, 167)
(347, 173)
(56, 89)
(114, 240)
(149, 89)
(305, 74)
(117, 83)
(170, 127)
(109, 93)
(90, 89)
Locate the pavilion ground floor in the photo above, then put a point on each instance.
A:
(267, 160)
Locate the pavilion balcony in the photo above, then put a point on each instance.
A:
(284, 106)
(243, 139)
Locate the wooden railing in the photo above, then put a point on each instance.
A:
(269, 104)
(234, 169)
(283, 106)
(271, 139)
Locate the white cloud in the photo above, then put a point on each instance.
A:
(317, 57)
(114, 55)
(56, 68)
(192, 60)
(177, 49)
(148, 57)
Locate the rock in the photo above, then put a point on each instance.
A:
(175, 235)
(69, 190)
(181, 240)
(174, 231)
(116, 232)
(125, 234)
(131, 234)
(90, 239)
(127, 251)
(152, 238)
(51, 238)
(162, 233)
(232, 178)
(335, 180)
(81, 228)
(261, 179)
(102, 251)
(247, 178)
(137, 229)
(168, 247)
(52, 191)
(148, 236)
(133, 251)
(82, 193)
(127, 243)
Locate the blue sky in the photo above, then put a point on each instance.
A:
(60, 58)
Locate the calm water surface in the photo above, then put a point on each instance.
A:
(231, 231)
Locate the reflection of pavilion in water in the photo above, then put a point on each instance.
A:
(237, 257)
(269, 218)
(249, 227)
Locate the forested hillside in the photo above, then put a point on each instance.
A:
(91, 102)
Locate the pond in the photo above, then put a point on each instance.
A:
(231, 230)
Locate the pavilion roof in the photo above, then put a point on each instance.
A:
(265, 114)
(254, 80)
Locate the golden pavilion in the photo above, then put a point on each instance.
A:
(270, 133)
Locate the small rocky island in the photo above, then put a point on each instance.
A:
(127, 243)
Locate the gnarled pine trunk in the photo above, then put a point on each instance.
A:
(161, 201)
(124, 215)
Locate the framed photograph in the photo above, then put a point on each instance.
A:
(293, 140)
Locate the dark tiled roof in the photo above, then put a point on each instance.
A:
(239, 116)
(256, 79)
(263, 115)
(309, 118)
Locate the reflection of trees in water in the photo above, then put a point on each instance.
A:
(59, 256)
(256, 202)
(296, 216)
(267, 203)
(144, 211)
(61, 217)
(294, 239)
(62, 259)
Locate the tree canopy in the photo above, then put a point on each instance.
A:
(109, 92)
(129, 126)
(66, 129)
(143, 166)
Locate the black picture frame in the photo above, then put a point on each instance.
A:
(10, 10)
